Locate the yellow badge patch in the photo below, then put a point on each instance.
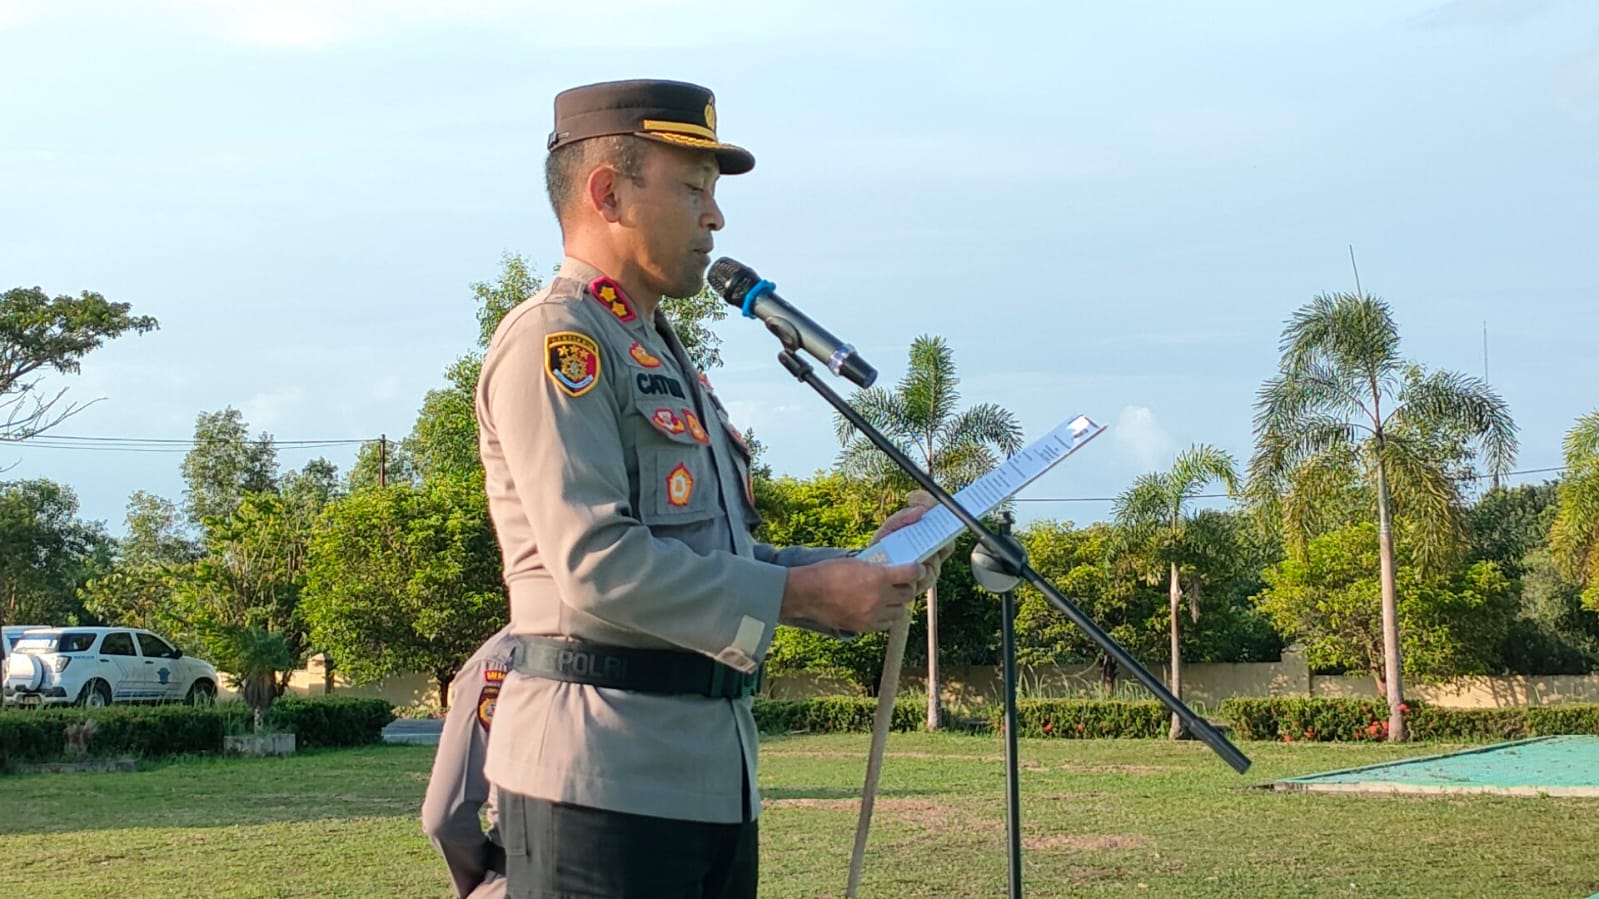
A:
(642, 356)
(679, 486)
(695, 429)
(572, 361)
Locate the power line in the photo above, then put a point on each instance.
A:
(1111, 499)
(160, 444)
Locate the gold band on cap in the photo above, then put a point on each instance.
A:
(679, 128)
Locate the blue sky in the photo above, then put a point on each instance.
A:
(1107, 208)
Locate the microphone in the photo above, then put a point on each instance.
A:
(741, 287)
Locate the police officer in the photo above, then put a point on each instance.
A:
(624, 745)
(458, 789)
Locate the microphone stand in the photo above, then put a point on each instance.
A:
(995, 576)
(1007, 557)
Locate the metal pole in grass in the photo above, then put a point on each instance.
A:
(1000, 576)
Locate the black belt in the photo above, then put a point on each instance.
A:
(629, 668)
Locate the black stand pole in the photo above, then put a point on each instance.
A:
(995, 576)
(1007, 552)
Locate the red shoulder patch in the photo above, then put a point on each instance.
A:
(642, 356)
(609, 294)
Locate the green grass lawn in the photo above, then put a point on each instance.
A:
(1100, 818)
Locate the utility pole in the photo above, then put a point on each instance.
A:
(383, 460)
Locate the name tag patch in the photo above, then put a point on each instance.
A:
(658, 384)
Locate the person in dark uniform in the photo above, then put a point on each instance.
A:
(624, 746)
(458, 790)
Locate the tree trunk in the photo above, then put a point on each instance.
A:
(1108, 669)
(935, 710)
(443, 680)
(1176, 685)
(1392, 662)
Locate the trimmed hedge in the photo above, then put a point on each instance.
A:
(39, 735)
(1318, 720)
(1086, 719)
(1065, 718)
(833, 714)
(331, 721)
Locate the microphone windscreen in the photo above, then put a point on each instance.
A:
(732, 279)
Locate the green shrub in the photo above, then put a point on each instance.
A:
(330, 721)
(833, 714)
(1294, 719)
(1084, 719)
(1291, 719)
(151, 731)
(33, 735)
(1547, 720)
(1469, 725)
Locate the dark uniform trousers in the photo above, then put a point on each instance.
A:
(560, 851)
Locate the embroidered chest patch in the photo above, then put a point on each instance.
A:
(642, 356)
(679, 486)
(667, 420)
(572, 361)
(695, 429)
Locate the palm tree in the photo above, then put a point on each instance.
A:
(1344, 399)
(920, 416)
(1575, 534)
(1153, 514)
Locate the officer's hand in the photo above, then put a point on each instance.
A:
(850, 595)
(916, 505)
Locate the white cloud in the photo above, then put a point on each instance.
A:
(1140, 436)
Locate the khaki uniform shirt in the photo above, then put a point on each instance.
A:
(457, 788)
(620, 493)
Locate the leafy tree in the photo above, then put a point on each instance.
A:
(250, 576)
(921, 416)
(824, 510)
(1158, 527)
(253, 658)
(1575, 534)
(137, 590)
(1344, 397)
(691, 318)
(381, 462)
(1507, 523)
(443, 441)
(38, 332)
(1331, 601)
(405, 578)
(46, 553)
(155, 533)
(1074, 560)
(225, 465)
(1552, 632)
(312, 487)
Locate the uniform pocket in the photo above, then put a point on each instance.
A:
(677, 482)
